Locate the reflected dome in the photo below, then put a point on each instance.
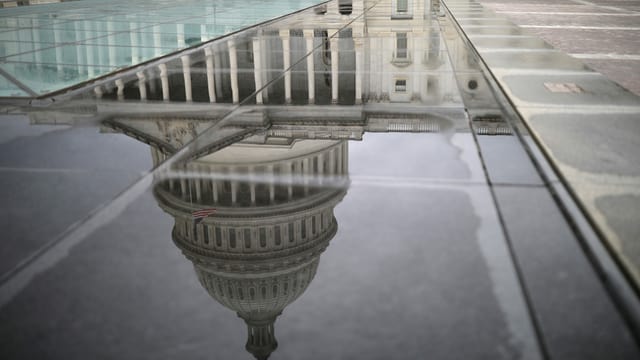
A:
(260, 249)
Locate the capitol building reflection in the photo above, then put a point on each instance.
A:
(261, 248)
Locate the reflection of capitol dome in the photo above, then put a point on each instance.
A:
(261, 249)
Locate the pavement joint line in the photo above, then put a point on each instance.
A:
(500, 36)
(563, 13)
(485, 49)
(606, 56)
(589, 3)
(576, 27)
(516, 71)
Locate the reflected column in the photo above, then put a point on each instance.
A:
(35, 35)
(78, 37)
(233, 70)
(272, 188)
(142, 85)
(133, 37)
(180, 35)
(308, 36)
(58, 41)
(211, 86)
(334, 65)
(358, 48)
(157, 41)
(111, 46)
(164, 78)
(186, 73)
(257, 69)
(286, 60)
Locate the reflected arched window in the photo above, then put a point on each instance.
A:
(247, 238)
(263, 237)
(218, 235)
(291, 234)
(276, 235)
(313, 225)
(232, 238)
(205, 232)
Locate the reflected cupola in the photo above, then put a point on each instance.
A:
(261, 248)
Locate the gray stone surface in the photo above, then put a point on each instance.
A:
(586, 123)
(54, 177)
(595, 143)
(593, 89)
(567, 296)
(531, 60)
(621, 213)
(524, 42)
(506, 162)
(598, 27)
(403, 277)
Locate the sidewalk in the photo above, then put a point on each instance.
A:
(604, 34)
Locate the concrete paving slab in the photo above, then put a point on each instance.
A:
(563, 287)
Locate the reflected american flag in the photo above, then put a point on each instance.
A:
(200, 214)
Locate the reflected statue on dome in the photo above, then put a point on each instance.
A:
(266, 220)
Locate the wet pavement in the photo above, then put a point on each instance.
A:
(227, 202)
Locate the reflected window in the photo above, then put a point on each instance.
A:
(247, 238)
(401, 45)
(218, 235)
(263, 237)
(402, 6)
(313, 225)
(277, 235)
(291, 237)
(205, 233)
(232, 238)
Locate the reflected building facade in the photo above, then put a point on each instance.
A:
(389, 53)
